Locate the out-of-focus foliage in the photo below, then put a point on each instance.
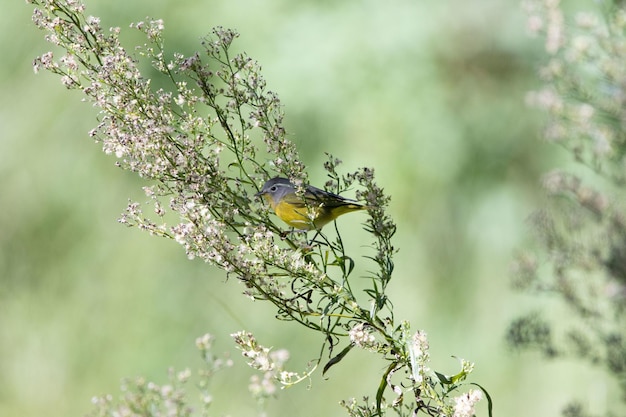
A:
(581, 259)
(429, 93)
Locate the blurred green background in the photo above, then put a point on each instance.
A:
(430, 94)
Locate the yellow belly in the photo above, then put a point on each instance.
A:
(309, 218)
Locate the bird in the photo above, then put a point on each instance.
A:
(310, 211)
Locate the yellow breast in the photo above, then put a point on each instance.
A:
(296, 216)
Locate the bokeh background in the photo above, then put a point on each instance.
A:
(430, 94)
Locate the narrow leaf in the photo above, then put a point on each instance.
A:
(381, 387)
(489, 401)
(336, 359)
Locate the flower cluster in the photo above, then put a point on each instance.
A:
(362, 337)
(270, 363)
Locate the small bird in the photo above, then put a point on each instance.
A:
(311, 211)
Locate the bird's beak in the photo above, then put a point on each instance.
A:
(259, 194)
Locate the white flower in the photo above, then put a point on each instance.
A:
(361, 337)
(464, 404)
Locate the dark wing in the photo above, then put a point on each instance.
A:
(316, 197)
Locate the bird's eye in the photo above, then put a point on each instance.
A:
(273, 188)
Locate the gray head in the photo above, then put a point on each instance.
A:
(275, 190)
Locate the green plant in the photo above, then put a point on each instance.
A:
(205, 146)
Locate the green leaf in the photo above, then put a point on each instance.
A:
(341, 261)
(443, 378)
(489, 401)
(458, 377)
(336, 359)
(382, 385)
(350, 264)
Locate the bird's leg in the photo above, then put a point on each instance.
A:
(283, 235)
